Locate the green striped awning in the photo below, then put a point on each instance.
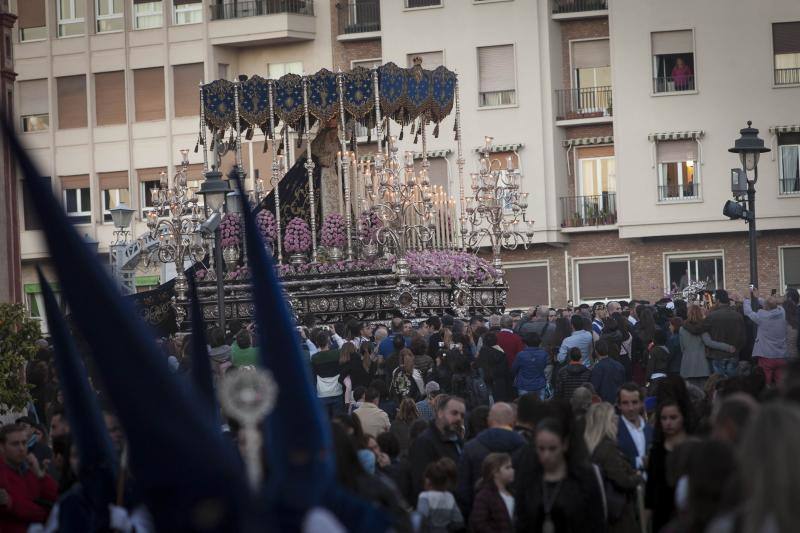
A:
(785, 129)
(510, 147)
(676, 135)
(588, 141)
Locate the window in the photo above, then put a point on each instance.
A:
(185, 82)
(790, 267)
(278, 70)
(72, 109)
(147, 14)
(673, 61)
(683, 269)
(786, 47)
(148, 94)
(591, 76)
(35, 302)
(595, 201)
(109, 16)
(430, 60)
(366, 63)
(528, 284)
(77, 198)
(109, 89)
(32, 20)
(497, 79)
(678, 177)
(149, 179)
(188, 12)
(789, 149)
(422, 3)
(111, 199)
(71, 17)
(222, 71)
(601, 279)
(32, 221)
(33, 105)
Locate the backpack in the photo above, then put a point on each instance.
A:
(472, 388)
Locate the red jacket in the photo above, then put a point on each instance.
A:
(511, 343)
(23, 491)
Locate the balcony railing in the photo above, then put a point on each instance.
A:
(789, 186)
(359, 16)
(255, 8)
(668, 84)
(586, 102)
(582, 211)
(787, 76)
(680, 191)
(576, 6)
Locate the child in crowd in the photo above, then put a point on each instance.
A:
(436, 504)
(493, 508)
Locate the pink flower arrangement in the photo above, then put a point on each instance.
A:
(265, 222)
(368, 224)
(230, 229)
(334, 231)
(452, 264)
(241, 273)
(297, 237)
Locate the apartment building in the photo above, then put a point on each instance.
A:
(10, 282)
(619, 115)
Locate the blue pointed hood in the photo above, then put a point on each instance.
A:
(186, 470)
(201, 364)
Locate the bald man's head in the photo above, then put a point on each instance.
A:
(501, 415)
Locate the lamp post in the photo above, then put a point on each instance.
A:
(749, 146)
(213, 189)
(122, 215)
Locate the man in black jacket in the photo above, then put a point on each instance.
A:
(499, 437)
(444, 438)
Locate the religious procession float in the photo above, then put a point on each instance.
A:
(389, 241)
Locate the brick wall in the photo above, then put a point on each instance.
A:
(347, 51)
(647, 259)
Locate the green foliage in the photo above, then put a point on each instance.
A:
(18, 336)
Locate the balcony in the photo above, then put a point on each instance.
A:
(357, 17)
(787, 76)
(256, 8)
(592, 104)
(247, 23)
(410, 4)
(566, 9)
(585, 211)
(669, 84)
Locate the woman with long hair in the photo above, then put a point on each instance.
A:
(695, 366)
(346, 353)
(619, 476)
(493, 507)
(407, 414)
(670, 432)
(556, 489)
(363, 365)
(492, 363)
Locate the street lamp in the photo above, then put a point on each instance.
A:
(121, 216)
(214, 190)
(749, 146)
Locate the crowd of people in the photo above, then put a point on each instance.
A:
(621, 416)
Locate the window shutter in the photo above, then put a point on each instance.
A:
(786, 37)
(496, 68)
(186, 92)
(604, 280)
(32, 221)
(147, 1)
(109, 98)
(676, 151)
(72, 109)
(113, 180)
(31, 14)
(74, 182)
(588, 54)
(148, 94)
(672, 42)
(33, 97)
(430, 60)
(184, 2)
(527, 286)
(791, 267)
(150, 174)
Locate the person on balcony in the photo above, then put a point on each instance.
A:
(682, 75)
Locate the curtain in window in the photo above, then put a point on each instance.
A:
(790, 172)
